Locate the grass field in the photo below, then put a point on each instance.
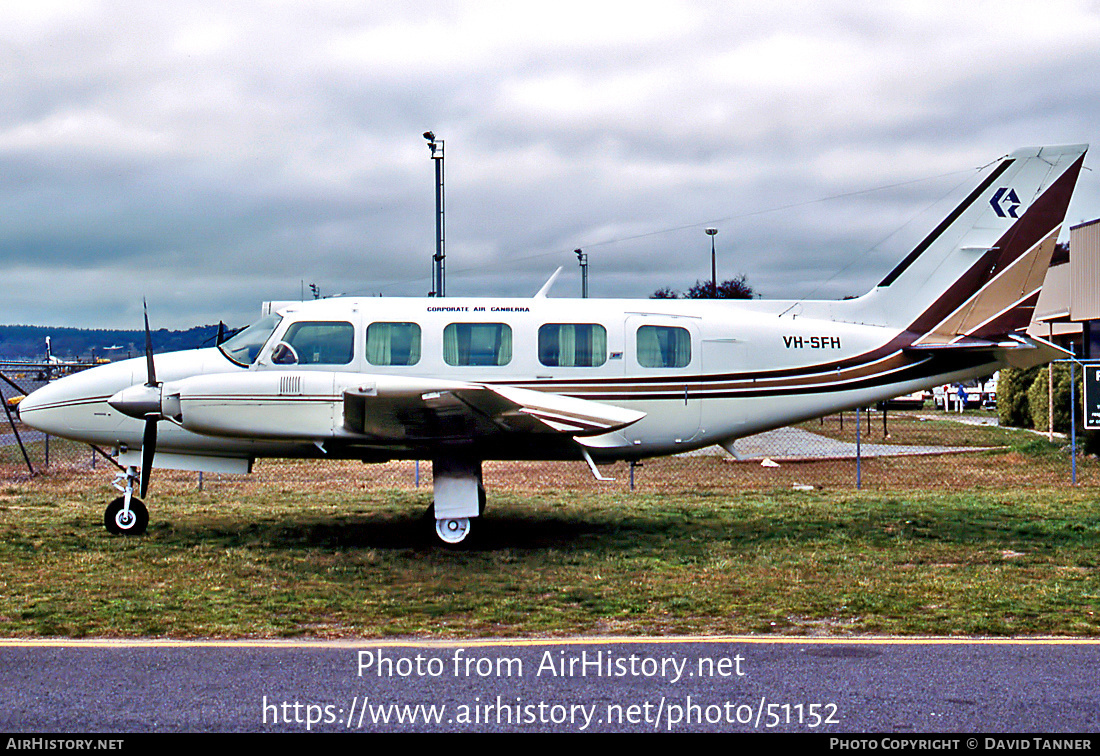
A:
(993, 543)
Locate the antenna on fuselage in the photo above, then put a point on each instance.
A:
(549, 283)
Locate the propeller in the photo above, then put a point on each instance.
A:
(149, 437)
(143, 402)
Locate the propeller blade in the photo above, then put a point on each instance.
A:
(151, 372)
(221, 334)
(148, 449)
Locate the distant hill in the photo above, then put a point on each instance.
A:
(21, 342)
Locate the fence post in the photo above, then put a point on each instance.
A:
(15, 430)
(1072, 418)
(859, 472)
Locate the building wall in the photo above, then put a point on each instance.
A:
(1084, 244)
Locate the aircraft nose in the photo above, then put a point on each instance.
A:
(42, 410)
(76, 405)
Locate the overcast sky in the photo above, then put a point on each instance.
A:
(213, 155)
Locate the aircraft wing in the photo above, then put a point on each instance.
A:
(462, 411)
(379, 409)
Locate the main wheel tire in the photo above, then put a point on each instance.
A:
(119, 522)
(453, 531)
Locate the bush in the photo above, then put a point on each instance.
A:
(1038, 396)
(1013, 408)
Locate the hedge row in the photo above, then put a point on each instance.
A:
(1023, 397)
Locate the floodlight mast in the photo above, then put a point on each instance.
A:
(439, 267)
(712, 232)
(582, 258)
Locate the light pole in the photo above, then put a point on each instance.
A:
(712, 232)
(439, 284)
(582, 258)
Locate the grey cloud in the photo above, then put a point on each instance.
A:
(214, 155)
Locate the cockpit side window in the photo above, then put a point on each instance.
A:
(246, 345)
(315, 343)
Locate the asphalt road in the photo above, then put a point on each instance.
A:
(590, 685)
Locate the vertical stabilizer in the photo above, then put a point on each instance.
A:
(979, 272)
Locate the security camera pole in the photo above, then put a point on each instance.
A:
(439, 285)
(582, 258)
(712, 232)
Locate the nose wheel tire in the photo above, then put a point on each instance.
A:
(453, 531)
(120, 522)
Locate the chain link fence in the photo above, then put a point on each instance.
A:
(919, 448)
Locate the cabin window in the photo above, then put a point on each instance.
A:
(663, 347)
(572, 345)
(393, 343)
(245, 346)
(315, 343)
(477, 344)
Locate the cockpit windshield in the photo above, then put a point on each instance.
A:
(244, 348)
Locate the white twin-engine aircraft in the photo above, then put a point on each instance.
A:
(459, 381)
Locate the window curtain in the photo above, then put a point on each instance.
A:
(414, 343)
(679, 348)
(450, 344)
(597, 351)
(504, 343)
(649, 347)
(567, 345)
(379, 343)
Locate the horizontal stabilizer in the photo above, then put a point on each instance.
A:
(1014, 351)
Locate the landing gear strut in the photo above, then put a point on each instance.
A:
(127, 514)
(458, 497)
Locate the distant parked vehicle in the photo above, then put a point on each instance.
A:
(979, 394)
(914, 401)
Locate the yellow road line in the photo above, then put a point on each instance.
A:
(523, 642)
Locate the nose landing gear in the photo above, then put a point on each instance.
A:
(127, 514)
(122, 520)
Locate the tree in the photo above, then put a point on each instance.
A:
(733, 288)
(1038, 397)
(1013, 408)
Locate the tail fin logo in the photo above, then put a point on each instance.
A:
(1005, 203)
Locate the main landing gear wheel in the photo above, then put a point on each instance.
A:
(120, 522)
(453, 531)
